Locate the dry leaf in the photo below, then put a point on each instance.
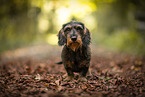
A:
(38, 77)
(57, 82)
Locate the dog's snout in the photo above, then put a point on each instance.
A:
(74, 38)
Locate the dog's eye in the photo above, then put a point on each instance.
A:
(67, 29)
(79, 28)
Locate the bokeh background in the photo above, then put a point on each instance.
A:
(117, 25)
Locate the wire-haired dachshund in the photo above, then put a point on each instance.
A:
(76, 53)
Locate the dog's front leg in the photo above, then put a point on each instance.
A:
(68, 68)
(70, 74)
(84, 65)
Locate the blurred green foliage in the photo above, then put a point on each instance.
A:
(121, 26)
(115, 24)
(16, 28)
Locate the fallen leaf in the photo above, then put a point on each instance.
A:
(46, 84)
(60, 88)
(57, 82)
(136, 68)
(78, 91)
(84, 87)
(38, 77)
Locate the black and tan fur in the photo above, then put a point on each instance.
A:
(76, 53)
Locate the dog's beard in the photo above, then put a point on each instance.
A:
(74, 45)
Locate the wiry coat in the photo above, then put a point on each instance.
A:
(76, 53)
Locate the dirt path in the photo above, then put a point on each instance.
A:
(34, 73)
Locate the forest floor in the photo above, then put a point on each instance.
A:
(32, 71)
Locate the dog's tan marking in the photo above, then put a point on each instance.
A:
(74, 45)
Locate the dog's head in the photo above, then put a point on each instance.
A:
(74, 34)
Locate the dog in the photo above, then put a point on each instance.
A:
(76, 53)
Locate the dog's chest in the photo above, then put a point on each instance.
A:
(77, 56)
(74, 60)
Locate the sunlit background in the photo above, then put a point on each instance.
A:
(115, 24)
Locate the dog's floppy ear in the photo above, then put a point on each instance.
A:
(61, 38)
(86, 37)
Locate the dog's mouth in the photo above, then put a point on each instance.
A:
(74, 45)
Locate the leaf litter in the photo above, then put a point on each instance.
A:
(109, 77)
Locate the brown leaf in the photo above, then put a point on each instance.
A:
(84, 87)
(60, 88)
(52, 84)
(38, 77)
(46, 84)
(57, 82)
(78, 91)
(65, 84)
(92, 82)
(136, 68)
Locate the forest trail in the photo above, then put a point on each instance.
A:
(32, 72)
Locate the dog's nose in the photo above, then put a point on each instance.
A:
(74, 38)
